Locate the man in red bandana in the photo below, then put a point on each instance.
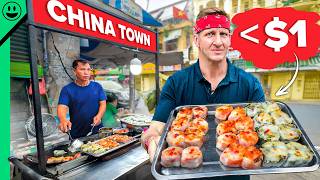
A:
(213, 79)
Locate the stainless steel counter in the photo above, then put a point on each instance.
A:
(111, 169)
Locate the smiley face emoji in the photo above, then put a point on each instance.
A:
(11, 11)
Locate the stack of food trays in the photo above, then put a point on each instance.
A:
(106, 145)
(237, 139)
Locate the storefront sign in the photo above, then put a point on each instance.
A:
(127, 6)
(76, 18)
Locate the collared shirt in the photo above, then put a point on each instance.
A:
(189, 87)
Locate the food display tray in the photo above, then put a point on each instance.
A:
(211, 166)
(135, 139)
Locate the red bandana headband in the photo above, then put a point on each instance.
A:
(211, 21)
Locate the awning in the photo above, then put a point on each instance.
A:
(106, 55)
(148, 20)
(133, 10)
(312, 63)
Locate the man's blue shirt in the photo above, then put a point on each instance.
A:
(83, 103)
(189, 87)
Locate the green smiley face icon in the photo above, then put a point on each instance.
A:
(11, 11)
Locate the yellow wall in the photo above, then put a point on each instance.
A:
(277, 80)
(312, 85)
(182, 40)
(146, 81)
(297, 87)
(274, 80)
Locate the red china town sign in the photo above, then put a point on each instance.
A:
(77, 18)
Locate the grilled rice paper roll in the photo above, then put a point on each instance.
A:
(262, 119)
(281, 117)
(51, 160)
(93, 148)
(253, 109)
(269, 133)
(225, 140)
(275, 153)
(58, 153)
(237, 113)
(222, 112)
(200, 112)
(176, 138)
(233, 155)
(108, 143)
(252, 158)
(193, 139)
(270, 106)
(180, 124)
(288, 132)
(185, 112)
(245, 123)
(55, 160)
(191, 157)
(120, 138)
(298, 154)
(171, 157)
(248, 138)
(68, 158)
(191, 130)
(77, 155)
(225, 127)
(200, 124)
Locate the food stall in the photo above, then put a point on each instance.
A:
(107, 156)
(87, 20)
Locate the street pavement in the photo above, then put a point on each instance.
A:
(308, 114)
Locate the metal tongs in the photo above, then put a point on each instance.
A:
(92, 126)
(75, 144)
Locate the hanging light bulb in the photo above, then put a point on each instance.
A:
(135, 66)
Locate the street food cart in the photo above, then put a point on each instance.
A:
(87, 20)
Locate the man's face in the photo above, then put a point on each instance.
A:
(82, 71)
(213, 43)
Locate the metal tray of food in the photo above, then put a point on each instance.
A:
(138, 120)
(211, 166)
(59, 166)
(133, 140)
